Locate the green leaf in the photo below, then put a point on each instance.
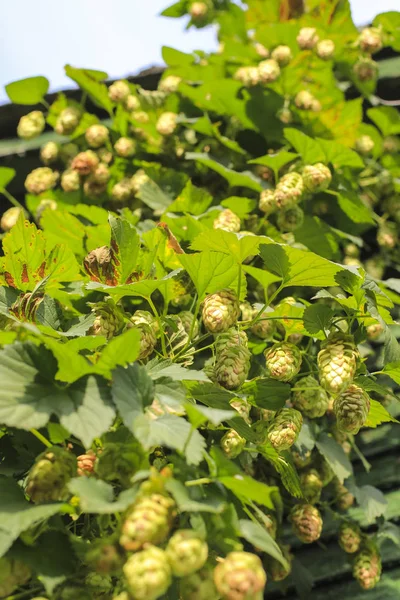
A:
(234, 178)
(89, 82)
(246, 488)
(371, 500)
(261, 276)
(125, 246)
(238, 246)
(17, 514)
(153, 196)
(6, 176)
(144, 288)
(318, 236)
(175, 11)
(258, 537)
(62, 227)
(97, 497)
(353, 207)
(192, 200)
(283, 464)
(28, 91)
(239, 205)
(378, 413)
(199, 414)
(275, 161)
(270, 394)
(210, 271)
(340, 155)
(157, 368)
(335, 456)
(174, 57)
(132, 391)
(317, 317)
(386, 118)
(210, 503)
(309, 150)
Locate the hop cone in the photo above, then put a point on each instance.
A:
(228, 221)
(220, 311)
(186, 318)
(147, 521)
(103, 557)
(285, 428)
(343, 498)
(364, 144)
(264, 328)
(387, 236)
(307, 38)
(370, 40)
(148, 340)
(306, 522)
(316, 178)
(311, 484)
(337, 362)
(199, 586)
(276, 569)
(108, 320)
(144, 316)
(290, 219)
(99, 584)
(187, 552)
(312, 401)
(50, 474)
(232, 367)
(147, 574)
(119, 461)
(367, 566)
(289, 190)
(269, 70)
(267, 203)
(232, 443)
(240, 577)
(351, 409)
(31, 125)
(13, 573)
(283, 361)
(282, 54)
(10, 217)
(350, 537)
(85, 463)
(374, 331)
(230, 339)
(40, 180)
(242, 406)
(325, 49)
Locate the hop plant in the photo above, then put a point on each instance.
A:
(85, 163)
(374, 331)
(268, 70)
(96, 135)
(232, 444)
(98, 265)
(316, 178)
(305, 100)
(70, 181)
(125, 147)
(285, 115)
(370, 40)
(337, 362)
(187, 552)
(85, 463)
(325, 49)
(365, 144)
(230, 339)
(391, 144)
(10, 217)
(283, 361)
(198, 11)
(119, 91)
(49, 476)
(232, 367)
(31, 125)
(282, 55)
(13, 573)
(248, 76)
(199, 586)
(148, 521)
(40, 180)
(306, 523)
(267, 203)
(240, 577)
(343, 497)
(122, 191)
(367, 566)
(167, 123)
(103, 557)
(49, 153)
(285, 428)
(276, 569)
(264, 328)
(349, 537)
(147, 574)
(289, 190)
(365, 69)
(312, 485)
(307, 38)
(148, 340)
(220, 311)
(228, 221)
(290, 219)
(351, 409)
(387, 236)
(119, 461)
(68, 120)
(169, 84)
(108, 320)
(99, 584)
(310, 398)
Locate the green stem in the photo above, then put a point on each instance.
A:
(201, 481)
(45, 103)
(11, 199)
(239, 281)
(24, 594)
(266, 305)
(158, 319)
(41, 437)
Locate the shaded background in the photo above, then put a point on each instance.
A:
(120, 37)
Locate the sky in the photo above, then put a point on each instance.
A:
(120, 37)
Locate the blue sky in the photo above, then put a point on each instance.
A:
(120, 37)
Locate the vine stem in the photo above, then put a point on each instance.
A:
(24, 594)
(267, 303)
(158, 319)
(41, 437)
(11, 199)
(201, 481)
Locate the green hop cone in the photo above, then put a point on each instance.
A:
(283, 361)
(290, 218)
(282, 55)
(13, 573)
(68, 120)
(267, 203)
(70, 181)
(264, 328)
(119, 461)
(367, 566)
(337, 362)
(349, 537)
(49, 476)
(310, 398)
(96, 135)
(351, 408)
(40, 180)
(232, 443)
(325, 49)
(374, 331)
(148, 340)
(85, 163)
(49, 153)
(269, 70)
(148, 521)
(99, 584)
(230, 339)
(187, 552)
(289, 190)
(10, 217)
(147, 574)
(365, 144)
(306, 522)
(370, 40)
(119, 91)
(220, 311)
(344, 499)
(228, 221)
(199, 586)
(307, 38)
(31, 125)
(240, 577)
(232, 367)
(285, 428)
(317, 178)
(167, 123)
(312, 485)
(387, 235)
(248, 76)
(108, 320)
(104, 557)
(276, 569)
